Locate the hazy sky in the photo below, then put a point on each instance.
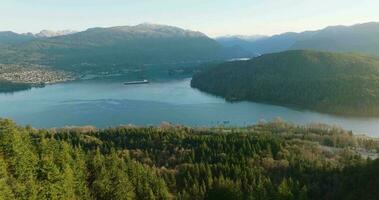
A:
(213, 17)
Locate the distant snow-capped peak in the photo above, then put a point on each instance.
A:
(49, 33)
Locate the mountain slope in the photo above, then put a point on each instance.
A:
(240, 41)
(144, 44)
(11, 38)
(265, 45)
(327, 82)
(49, 33)
(360, 38)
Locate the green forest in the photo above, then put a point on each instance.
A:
(270, 160)
(346, 84)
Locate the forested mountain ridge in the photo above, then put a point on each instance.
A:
(122, 47)
(11, 38)
(327, 82)
(273, 44)
(272, 160)
(240, 41)
(151, 44)
(359, 38)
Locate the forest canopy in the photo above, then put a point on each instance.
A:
(273, 160)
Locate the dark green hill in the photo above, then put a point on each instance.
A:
(327, 82)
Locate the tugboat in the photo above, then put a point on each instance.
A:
(136, 82)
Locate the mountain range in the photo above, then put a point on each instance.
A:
(359, 38)
(123, 46)
(12, 38)
(151, 44)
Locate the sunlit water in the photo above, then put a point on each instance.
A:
(105, 103)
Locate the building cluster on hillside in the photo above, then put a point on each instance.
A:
(33, 74)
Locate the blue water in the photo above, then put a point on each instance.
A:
(108, 102)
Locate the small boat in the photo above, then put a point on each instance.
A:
(136, 82)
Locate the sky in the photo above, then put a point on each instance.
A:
(212, 17)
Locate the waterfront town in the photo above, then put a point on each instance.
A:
(33, 74)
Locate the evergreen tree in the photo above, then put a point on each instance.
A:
(5, 189)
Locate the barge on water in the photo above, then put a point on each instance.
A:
(136, 82)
